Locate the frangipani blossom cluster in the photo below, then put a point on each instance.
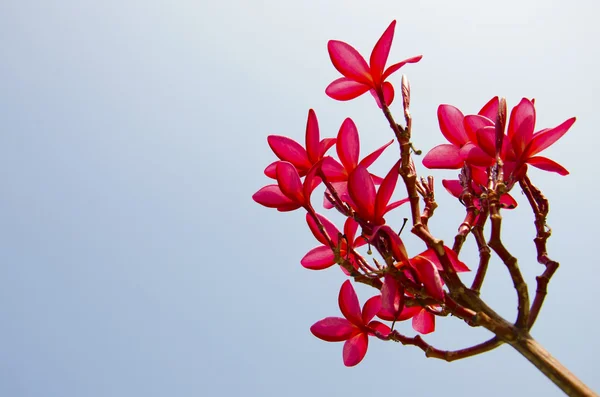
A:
(492, 155)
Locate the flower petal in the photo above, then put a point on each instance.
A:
(370, 309)
(490, 109)
(271, 170)
(310, 182)
(330, 228)
(508, 202)
(429, 276)
(312, 137)
(376, 326)
(350, 227)
(348, 302)
(453, 187)
(349, 62)
(333, 329)
(384, 194)
(546, 164)
(424, 322)
(443, 156)
(544, 139)
(271, 196)
(521, 125)
(325, 145)
(355, 349)
(486, 140)
(474, 155)
(392, 296)
(380, 53)
(451, 124)
(345, 89)
(473, 122)
(348, 145)
(362, 192)
(334, 171)
(289, 150)
(289, 182)
(318, 258)
(370, 159)
(398, 65)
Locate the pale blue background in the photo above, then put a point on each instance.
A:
(133, 133)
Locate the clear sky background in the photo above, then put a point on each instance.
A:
(133, 261)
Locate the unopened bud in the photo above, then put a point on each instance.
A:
(405, 92)
(500, 124)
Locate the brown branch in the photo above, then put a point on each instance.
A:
(446, 355)
(510, 261)
(484, 251)
(540, 207)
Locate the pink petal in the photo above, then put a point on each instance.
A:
(312, 137)
(521, 125)
(398, 65)
(348, 144)
(330, 228)
(395, 204)
(370, 159)
(474, 155)
(453, 187)
(333, 329)
(429, 276)
(384, 194)
(397, 246)
(362, 192)
(443, 156)
(371, 308)
(451, 124)
(333, 171)
(355, 349)
(318, 258)
(311, 182)
(508, 202)
(271, 170)
(325, 145)
(490, 109)
(349, 62)
(408, 312)
(348, 302)
(350, 227)
(546, 164)
(388, 94)
(392, 296)
(424, 322)
(380, 53)
(456, 263)
(379, 327)
(544, 139)
(288, 207)
(289, 150)
(479, 176)
(345, 89)
(486, 140)
(271, 196)
(289, 182)
(474, 122)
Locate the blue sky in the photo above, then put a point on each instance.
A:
(133, 134)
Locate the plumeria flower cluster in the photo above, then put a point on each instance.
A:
(493, 152)
(364, 199)
(479, 142)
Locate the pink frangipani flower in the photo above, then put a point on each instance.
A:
(356, 326)
(291, 151)
(348, 150)
(290, 193)
(322, 257)
(360, 77)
